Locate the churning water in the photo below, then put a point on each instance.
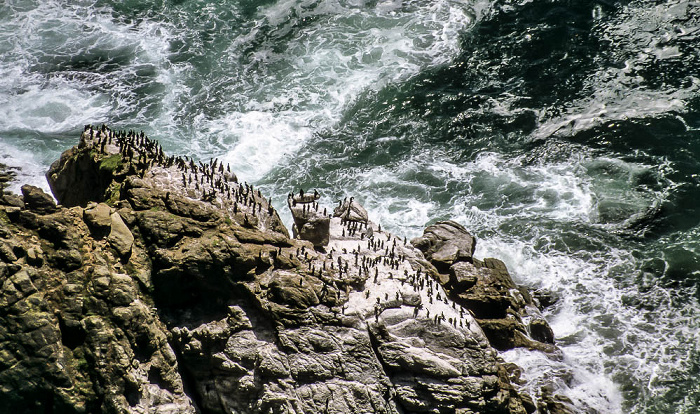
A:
(564, 135)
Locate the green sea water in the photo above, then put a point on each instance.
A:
(564, 135)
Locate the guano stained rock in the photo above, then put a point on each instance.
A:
(161, 284)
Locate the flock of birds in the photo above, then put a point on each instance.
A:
(210, 181)
(383, 261)
(361, 253)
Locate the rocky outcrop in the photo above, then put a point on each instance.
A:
(6, 176)
(163, 285)
(309, 223)
(446, 243)
(506, 312)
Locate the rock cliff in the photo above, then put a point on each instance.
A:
(163, 285)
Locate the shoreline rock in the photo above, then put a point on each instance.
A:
(161, 284)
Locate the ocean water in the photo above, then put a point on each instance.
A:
(564, 135)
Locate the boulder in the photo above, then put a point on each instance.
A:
(541, 331)
(120, 237)
(317, 231)
(445, 243)
(545, 297)
(351, 210)
(37, 200)
(463, 276)
(98, 217)
(309, 223)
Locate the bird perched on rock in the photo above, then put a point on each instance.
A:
(351, 211)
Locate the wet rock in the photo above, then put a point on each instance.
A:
(545, 298)
(6, 175)
(541, 331)
(554, 404)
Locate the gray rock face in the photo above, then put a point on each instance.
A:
(463, 276)
(445, 243)
(191, 291)
(309, 223)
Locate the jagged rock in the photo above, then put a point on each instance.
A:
(247, 320)
(309, 223)
(289, 288)
(445, 243)
(6, 175)
(12, 200)
(541, 331)
(554, 404)
(351, 210)
(80, 176)
(184, 207)
(120, 237)
(316, 231)
(463, 276)
(507, 333)
(485, 288)
(37, 200)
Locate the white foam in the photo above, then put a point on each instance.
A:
(303, 85)
(53, 108)
(42, 90)
(264, 139)
(604, 339)
(27, 166)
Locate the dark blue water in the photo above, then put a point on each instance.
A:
(563, 134)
